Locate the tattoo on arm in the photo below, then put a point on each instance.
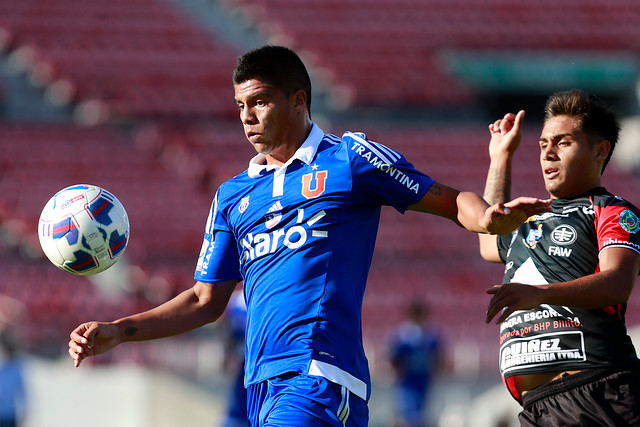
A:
(130, 331)
(498, 186)
(435, 189)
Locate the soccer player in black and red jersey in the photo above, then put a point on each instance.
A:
(564, 350)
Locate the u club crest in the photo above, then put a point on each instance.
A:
(314, 184)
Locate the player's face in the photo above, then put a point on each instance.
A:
(570, 161)
(267, 115)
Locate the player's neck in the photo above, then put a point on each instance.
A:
(287, 150)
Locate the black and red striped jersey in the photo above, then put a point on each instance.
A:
(558, 246)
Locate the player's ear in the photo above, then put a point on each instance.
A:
(300, 100)
(602, 149)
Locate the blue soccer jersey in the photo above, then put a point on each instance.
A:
(301, 236)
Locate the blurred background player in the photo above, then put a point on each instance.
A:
(414, 353)
(13, 396)
(564, 350)
(308, 202)
(236, 322)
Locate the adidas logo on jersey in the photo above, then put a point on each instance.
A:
(277, 206)
(271, 219)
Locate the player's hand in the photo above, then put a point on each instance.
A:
(91, 339)
(511, 297)
(505, 134)
(503, 218)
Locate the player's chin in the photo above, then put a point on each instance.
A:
(263, 149)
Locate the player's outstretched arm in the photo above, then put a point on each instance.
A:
(472, 212)
(195, 307)
(611, 286)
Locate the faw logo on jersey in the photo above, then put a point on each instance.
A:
(629, 221)
(319, 183)
(532, 238)
(564, 235)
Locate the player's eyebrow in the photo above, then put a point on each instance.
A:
(558, 136)
(261, 94)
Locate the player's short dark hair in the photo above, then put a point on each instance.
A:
(594, 117)
(278, 66)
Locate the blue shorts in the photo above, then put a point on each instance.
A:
(298, 400)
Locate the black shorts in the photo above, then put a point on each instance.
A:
(594, 397)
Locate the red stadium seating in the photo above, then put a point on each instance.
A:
(390, 52)
(142, 58)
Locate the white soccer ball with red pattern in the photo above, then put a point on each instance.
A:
(83, 229)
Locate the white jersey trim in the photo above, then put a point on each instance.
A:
(388, 155)
(305, 153)
(338, 376)
(626, 245)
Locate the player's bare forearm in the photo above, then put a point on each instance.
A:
(195, 307)
(609, 287)
(589, 292)
(202, 304)
(464, 208)
(497, 190)
(473, 213)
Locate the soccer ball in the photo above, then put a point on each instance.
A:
(83, 229)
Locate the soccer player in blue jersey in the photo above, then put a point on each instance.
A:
(298, 227)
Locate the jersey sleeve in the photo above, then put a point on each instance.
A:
(504, 244)
(618, 225)
(383, 175)
(218, 260)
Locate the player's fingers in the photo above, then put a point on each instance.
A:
(500, 209)
(528, 203)
(75, 346)
(536, 211)
(78, 360)
(77, 357)
(491, 313)
(77, 337)
(494, 289)
(517, 123)
(495, 304)
(73, 352)
(506, 312)
(527, 200)
(499, 307)
(506, 123)
(90, 333)
(502, 301)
